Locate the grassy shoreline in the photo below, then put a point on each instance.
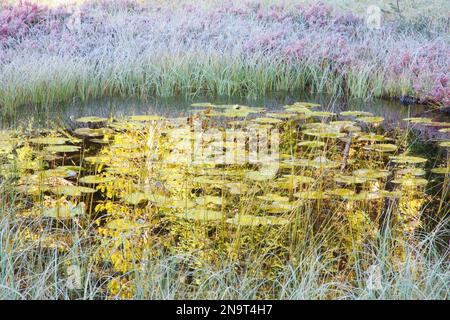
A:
(123, 48)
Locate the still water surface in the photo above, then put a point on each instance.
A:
(65, 114)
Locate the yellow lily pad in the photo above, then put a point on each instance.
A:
(64, 211)
(418, 120)
(205, 200)
(441, 170)
(444, 144)
(311, 144)
(95, 179)
(73, 191)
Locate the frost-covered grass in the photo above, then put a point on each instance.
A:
(34, 272)
(125, 48)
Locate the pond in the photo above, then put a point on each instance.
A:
(224, 179)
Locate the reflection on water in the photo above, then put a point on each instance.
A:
(392, 111)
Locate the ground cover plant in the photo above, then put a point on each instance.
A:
(56, 54)
(229, 202)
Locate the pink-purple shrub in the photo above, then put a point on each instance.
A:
(24, 18)
(317, 15)
(441, 90)
(426, 66)
(314, 35)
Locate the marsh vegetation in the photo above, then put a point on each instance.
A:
(228, 202)
(295, 181)
(51, 55)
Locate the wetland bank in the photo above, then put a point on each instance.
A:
(222, 151)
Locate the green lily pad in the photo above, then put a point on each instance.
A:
(267, 120)
(372, 137)
(356, 114)
(328, 134)
(411, 181)
(299, 109)
(62, 148)
(203, 214)
(381, 147)
(281, 115)
(350, 179)
(146, 118)
(371, 120)
(418, 120)
(202, 105)
(306, 104)
(441, 170)
(49, 140)
(408, 159)
(88, 132)
(311, 144)
(371, 173)
(322, 114)
(73, 191)
(437, 124)
(91, 119)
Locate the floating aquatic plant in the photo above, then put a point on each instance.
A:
(160, 183)
(91, 119)
(65, 211)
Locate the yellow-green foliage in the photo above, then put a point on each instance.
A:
(136, 188)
